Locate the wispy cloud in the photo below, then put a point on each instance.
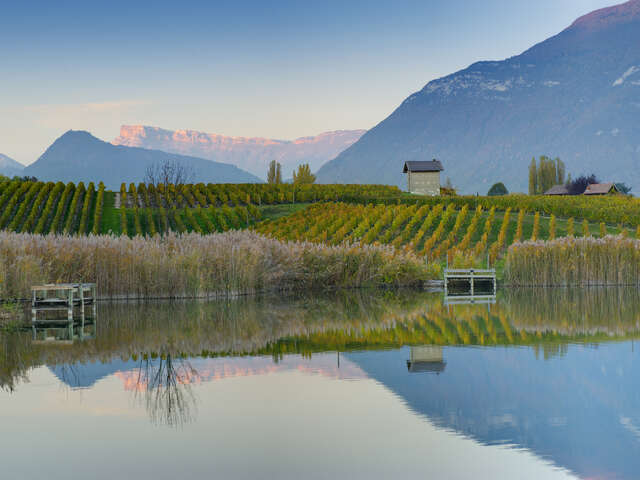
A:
(84, 116)
(116, 106)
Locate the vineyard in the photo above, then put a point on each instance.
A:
(615, 209)
(39, 207)
(464, 230)
(431, 230)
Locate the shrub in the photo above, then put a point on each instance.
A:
(498, 189)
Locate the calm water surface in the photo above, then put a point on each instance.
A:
(542, 384)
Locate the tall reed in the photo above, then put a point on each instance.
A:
(612, 260)
(194, 265)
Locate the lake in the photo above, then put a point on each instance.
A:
(539, 384)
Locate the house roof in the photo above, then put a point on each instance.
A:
(557, 190)
(423, 166)
(600, 188)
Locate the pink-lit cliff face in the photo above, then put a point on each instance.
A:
(610, 16)
(251, 154)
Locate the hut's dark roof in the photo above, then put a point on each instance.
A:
(600, 189)
(557, 190)
(423, 166)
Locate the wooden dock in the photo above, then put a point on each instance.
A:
(470, 276)
(61, 297)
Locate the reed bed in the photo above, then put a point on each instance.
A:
(610, 260)
(194, 265)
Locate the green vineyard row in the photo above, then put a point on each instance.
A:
(47, 207)
(430, 230)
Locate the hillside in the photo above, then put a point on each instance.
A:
(9, 167)
(250, 154)
(574, 95)
(78, 156)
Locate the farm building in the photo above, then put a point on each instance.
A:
(601, 189)
(593, 189)
(423, 177)
(557, 190)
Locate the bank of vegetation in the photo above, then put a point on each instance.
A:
(194, 265)
(611, 260)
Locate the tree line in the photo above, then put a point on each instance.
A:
(302, 176)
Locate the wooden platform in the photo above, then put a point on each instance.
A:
(471, 277)
(62, 296)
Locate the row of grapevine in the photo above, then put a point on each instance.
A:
(97, 212)
(431, 231)
(217, 195)
(147, 221)
(613, 210)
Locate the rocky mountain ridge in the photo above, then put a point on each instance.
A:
(250, 153)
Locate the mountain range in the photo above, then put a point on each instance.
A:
(250, 154)
(9, 167)
(79, 156)
(575, 95)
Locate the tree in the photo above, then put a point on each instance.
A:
(497, 189)
(560, 171)
(448, 184)
(274, 174)
(533, 177)
(623, 188)
(304, 175)
(580, 184)
(544, 174)
(168, 172)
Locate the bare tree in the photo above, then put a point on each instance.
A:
(165, 386)
(168, 172)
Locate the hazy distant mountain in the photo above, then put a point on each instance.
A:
(9, 167)
(79, 156)
(575, 95)
(251, 154)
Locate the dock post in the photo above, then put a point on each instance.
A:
(94, 291)
(34, 313)
(446, 283)
(81, 288)
(471, 278)
(70, 305)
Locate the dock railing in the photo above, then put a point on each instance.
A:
(472, 275)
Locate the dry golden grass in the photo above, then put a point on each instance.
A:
(611, 260)
(193, 265)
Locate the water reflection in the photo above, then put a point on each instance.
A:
(163, 385)
(555, 372)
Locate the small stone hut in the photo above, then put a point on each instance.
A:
(423, 177)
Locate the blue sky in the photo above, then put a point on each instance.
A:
(242, 68)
